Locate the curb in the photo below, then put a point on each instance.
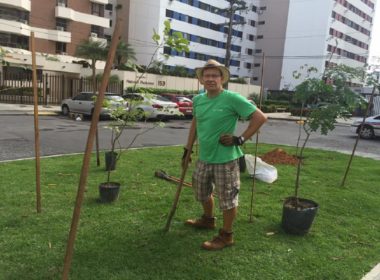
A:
(28, 113)
(295, 120)
(374, 274)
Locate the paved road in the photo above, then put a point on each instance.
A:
(60, 135)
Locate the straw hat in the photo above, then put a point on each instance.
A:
(211, 63)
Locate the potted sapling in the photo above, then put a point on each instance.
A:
(109, 191)
(327, 98)
(121, 119)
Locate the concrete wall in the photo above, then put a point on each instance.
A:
(179, 83)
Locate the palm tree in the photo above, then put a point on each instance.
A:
(124, 53)
(93, 50)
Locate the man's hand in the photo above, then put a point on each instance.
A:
(185, 151)
(231, 140)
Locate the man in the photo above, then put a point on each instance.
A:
(215, 116)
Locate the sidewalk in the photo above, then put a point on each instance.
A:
(53, 110)
(23, 109)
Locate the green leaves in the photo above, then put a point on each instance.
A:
(93, 50)
(156, 37)
(328, 97)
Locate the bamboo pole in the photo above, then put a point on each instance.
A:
(87, 155)
(257, 138)
(358, 136)
(36, 129)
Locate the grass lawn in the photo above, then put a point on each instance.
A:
(125, 240)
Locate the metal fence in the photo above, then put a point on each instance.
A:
(52, 89)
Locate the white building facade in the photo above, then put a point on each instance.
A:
(202, 24)
(333, 32)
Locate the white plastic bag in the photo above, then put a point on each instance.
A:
(264, 171)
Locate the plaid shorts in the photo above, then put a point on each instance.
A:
(225, 177)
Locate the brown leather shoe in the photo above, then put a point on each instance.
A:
(202, 223)
(224, 239)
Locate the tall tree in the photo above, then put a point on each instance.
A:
(93, 50)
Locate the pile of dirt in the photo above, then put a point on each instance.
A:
(279, 156)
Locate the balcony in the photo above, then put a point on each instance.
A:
(18, 4)
(23, 29)
(14, 27)
(70, 14)
(104, 2)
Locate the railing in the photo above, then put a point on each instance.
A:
(51, 89)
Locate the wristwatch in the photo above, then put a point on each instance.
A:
(240, 140)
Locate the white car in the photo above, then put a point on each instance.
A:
(152, 106)
(84, 104)
(370, 129)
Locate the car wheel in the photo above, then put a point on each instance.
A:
(65, 110)
(367, 132)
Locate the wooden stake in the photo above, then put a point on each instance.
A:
(36, 129)
(87, 155)
(179, 189)
(97, 146)
(370, 103)
(257, 139)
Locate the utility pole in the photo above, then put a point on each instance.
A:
(234, 6)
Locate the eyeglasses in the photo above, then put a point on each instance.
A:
(211, 76)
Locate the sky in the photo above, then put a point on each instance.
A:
(375, 41)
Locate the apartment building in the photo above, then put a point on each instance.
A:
(203, 24)
(59, 26)
(319, 33)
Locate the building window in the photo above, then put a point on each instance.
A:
(108, 7)
(258, 51)
(260, 36)
(254, 8)
(251, 37)
(262, 22)
(249, 51)
(252, 23)
(96, 9)
(255, 78)
(61, 24)
(96, 30)
(14, 15)
(14, 41)
(248, 65)
(62, 3)
(263, 8)
(60, 48)
(257, 65)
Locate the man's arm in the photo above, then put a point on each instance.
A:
(257, 119)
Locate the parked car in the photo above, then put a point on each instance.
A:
(84, 103)
(185, 105)
(370, 129)
(152, 106)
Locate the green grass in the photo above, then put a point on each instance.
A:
(125, 240)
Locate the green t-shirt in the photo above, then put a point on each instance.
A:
(216, 116)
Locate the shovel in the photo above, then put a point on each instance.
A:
(163, 175)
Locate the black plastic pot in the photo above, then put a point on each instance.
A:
(111, 158)
(109, 192)
(297, 219)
